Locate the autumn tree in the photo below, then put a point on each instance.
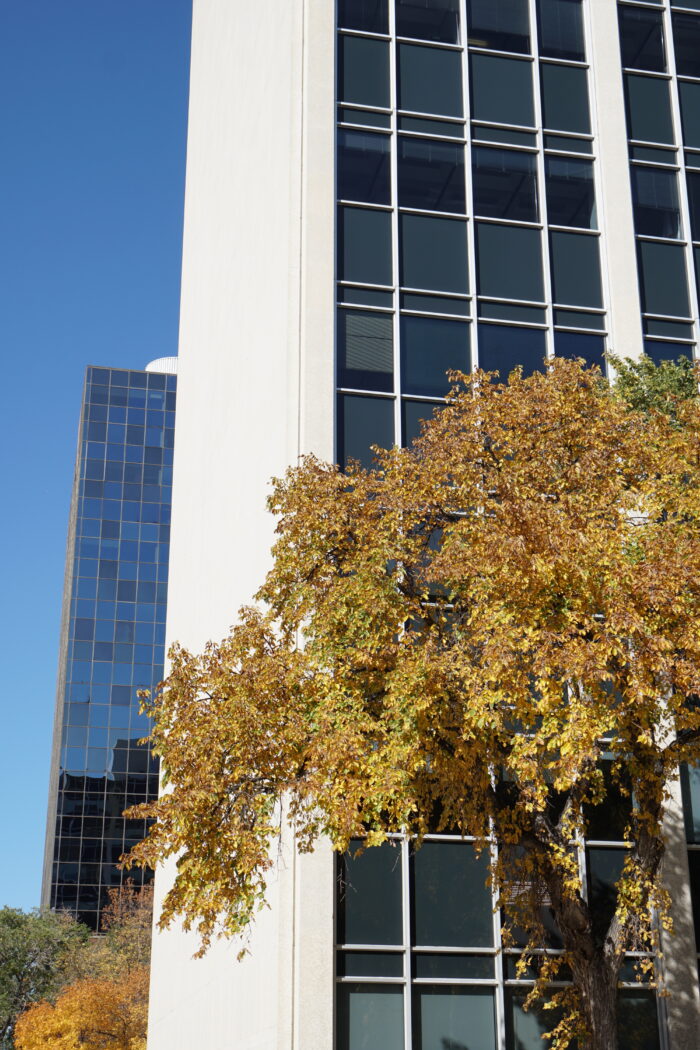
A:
(457, 638)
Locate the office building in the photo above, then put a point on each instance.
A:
(377, 191)
(112, 633)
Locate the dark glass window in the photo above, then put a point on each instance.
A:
(642, 38)
(363, 74)
(430, 80)
(362, 422)
(370, 892)
(503, 25)
(686, 36)
(430, 347)
(431, 175)
(690, 113)
(663, 279)
(434, 253)
(637, 1020)
(364, 246)
(371, 15)
(579, 344)
(655, 196)
(648, 108)
(452, 904)
(662, 351)
(429, 20)
(502, 90)
(575, 270)
(561, 29)
(509, 262)
(443, 1014)
(505, 184)
(694, 865)
(570, 192)
(370, 1015)
(365, 350)
(503, 347)
(694, 199)
(604, 870)
(363, 167)
(414, 414)
(565, 98)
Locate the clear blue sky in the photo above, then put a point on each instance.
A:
(93, 112)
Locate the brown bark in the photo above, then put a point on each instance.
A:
(597, 986)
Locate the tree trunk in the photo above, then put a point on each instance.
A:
(598, 988)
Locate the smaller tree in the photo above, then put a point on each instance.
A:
(647, 387)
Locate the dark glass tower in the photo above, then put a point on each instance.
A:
(112, 633)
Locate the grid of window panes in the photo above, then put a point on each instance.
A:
(467, 229)
(660, 49)
(418, 960)
(690, 786)
(118, 581)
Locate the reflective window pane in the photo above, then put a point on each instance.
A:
(565, 98)
(429, 20)
(362, 422)
(430, 80)
(570, 192)
(364, 246)
(502, 348)
(371, 15)
(414, 413)
(452, 966)
(363, 74)
(450, 1016)
(604, 870)
(370, 964)
(561, 29)
(430, 347)
(526, 1030)
(655, 197)
(509, 262)
(637, 1020)
(503, 25)
(433, 253)
(690, 113)
(648, 109)
(370, 1017)
(694, 201)
(452, 904)
(694, 865)
(642, 38)
(431, 175)
(690, 786)
(505, 184)
(363, 167)
(365, 350)
(502, 90)
(579, 344)
(663, 279)
(575, 270)
(686, 37)
(370, 897)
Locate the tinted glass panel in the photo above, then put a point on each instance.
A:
(648, 109)
(370, 892)
(694, 200)
(686, 36)
(604, 870)
(370, 1017)
(429, 348)
(432, 127)
(502, 348)
(505, 184)
(668, 329)
(510, 312)
(690, 786)
(363, 75)
(637, 1020)
(371, 15)
(434, 253)
(434, 304)
(451, 905)
(414, 413)
(367, 296)
(663, 279)
(509, 262)
(448, 966)
(515, 138)
(502, 90)
(448, 1016)
(694, 865)
(573, 319)
(570, 193)
(363, 167)
(565, 98)
(362, 422)
(567, 145)
(364, 246)
(653, 154)
(655, 196)
(690, 113)
(363, 116)
(525, 1030)
(561, 29)
(430, 80)
(365, 350)
(429, 20)
(642, 39)
(370, 964)
(431, 175)
(575, 270)
(576, 344)
(503, 25)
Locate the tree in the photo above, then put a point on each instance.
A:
(34, 949)
(125, 944)
(455, 639)
(648, 387)
(90, 1014)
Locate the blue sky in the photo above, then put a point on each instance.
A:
(93, 111)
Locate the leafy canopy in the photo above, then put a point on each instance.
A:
(456, 639)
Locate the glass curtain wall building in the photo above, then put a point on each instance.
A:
(113, 633)
(454, 183)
